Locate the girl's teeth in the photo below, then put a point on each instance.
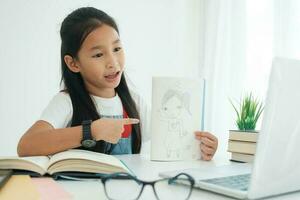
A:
(112, 76)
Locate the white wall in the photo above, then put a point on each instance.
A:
(159, 36)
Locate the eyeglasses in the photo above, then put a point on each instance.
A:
(123, 186)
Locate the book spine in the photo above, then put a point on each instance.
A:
(243, 136)
(242, 147)
(240, 157)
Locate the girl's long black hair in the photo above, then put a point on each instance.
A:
(74, 29)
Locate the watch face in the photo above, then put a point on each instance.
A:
(88, 143)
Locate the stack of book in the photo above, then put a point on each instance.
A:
(242, 145)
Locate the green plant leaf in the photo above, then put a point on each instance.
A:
(250, 109)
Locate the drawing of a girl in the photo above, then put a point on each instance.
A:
(173, 106)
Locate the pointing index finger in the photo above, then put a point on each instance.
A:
(128, 121)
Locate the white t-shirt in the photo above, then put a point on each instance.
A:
(59, 113)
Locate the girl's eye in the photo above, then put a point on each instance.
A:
(98, 55)
(117, 49)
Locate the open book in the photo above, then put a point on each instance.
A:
(177, 112)
(68, 161)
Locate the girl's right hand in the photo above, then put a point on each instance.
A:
(110, 130)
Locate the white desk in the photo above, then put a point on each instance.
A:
(148, 170)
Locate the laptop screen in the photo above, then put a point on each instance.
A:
(276, 166)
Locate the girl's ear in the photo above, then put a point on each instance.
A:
(72, 64)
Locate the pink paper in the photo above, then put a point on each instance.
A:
(50, 190)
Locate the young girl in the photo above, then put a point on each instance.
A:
(96, 110)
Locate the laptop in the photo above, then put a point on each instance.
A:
(276, 168)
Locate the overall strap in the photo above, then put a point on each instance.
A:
(127, 128)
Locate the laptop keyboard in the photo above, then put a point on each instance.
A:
(238, 182)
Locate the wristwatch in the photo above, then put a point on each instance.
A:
(87, 140)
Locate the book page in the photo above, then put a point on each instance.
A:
(177, 112)
(32, 163)
(76, 154)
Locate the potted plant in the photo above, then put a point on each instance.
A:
(242, 142)
(248, 113)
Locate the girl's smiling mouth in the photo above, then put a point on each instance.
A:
(112, 77)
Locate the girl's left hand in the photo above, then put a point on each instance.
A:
(208, 146)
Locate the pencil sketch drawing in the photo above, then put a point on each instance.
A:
(175, 106)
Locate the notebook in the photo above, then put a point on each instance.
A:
(19, 187)
(50, 189)
(277, 145)
(4, 176)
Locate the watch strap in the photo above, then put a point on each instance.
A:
(86, 130)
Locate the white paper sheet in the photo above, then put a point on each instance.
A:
(177, 112)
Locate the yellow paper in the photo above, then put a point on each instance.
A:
(19, 187)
